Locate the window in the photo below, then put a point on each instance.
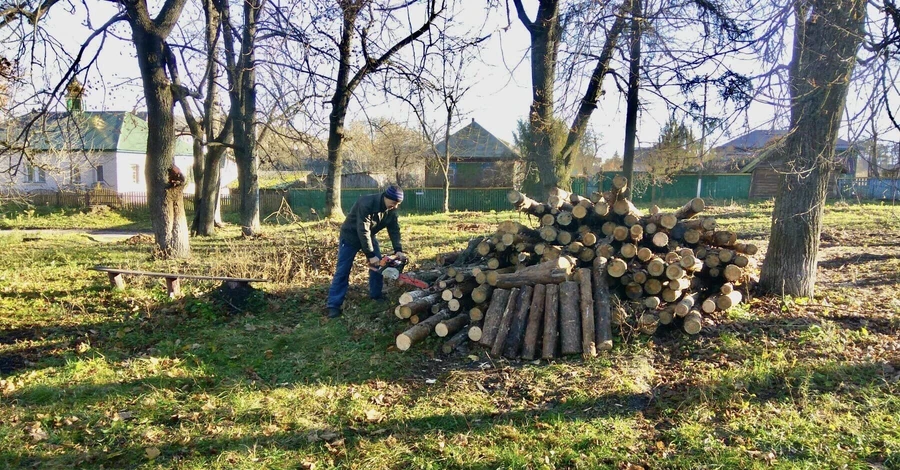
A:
(75, 174)
(100, 174)
(135, 173)
(42, 176)
(29, 173)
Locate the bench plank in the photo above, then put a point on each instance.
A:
(173, 283)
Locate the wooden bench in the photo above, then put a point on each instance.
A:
(173, 284)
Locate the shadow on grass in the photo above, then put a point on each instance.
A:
(347, 440)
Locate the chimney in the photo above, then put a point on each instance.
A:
(74, 92)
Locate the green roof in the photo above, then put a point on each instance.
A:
(96, 131)
(474, 142)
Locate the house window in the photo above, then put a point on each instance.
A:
(29, 173)
(100, 174)
(135, 173)
(75, 173)
(41, 176)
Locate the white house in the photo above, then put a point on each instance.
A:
(83, 149)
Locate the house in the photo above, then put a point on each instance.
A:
(754, 153)
(79, 149)
(353, 174)
(477, 160)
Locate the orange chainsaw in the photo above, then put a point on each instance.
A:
(392, 268)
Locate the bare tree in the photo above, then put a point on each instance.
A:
(165, 181)
(827, 36)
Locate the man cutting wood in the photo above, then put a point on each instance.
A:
(368, 216)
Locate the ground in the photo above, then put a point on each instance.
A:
(97, 378)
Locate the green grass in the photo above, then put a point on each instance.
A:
(94, 378)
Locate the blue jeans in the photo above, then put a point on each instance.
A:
(341, 281)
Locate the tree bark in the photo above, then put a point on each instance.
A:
(513, 343)
(493, 316)
(505, 321)
(420, 331)
(569, 318)
(827, 36)
(535, 321)
(551, 322)
(603, 317)
(165, 194)
(588, 342)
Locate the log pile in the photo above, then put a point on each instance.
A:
(589, 267)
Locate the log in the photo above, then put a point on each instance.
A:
(507, 318)
(513, 343)
(476, 313)
(653, 286)
(412, 296)
(602, 315)
(588, 340)
(733, 273)
(524, 203)
(475, 333)
(748, 249)
(469, 253)
(535, 321)
(455, 341)
(420, 331)
(616, 267)
(667, 315)
(551, 322)
(481, 293)
(491, 275)
(451, 325)
(492, 317)
(443, 259)
(709, 305)
(693, 322)
(462, 304)
(419, 306)
(726, 301)
(692, 208)
(569, 318)
(688, 302)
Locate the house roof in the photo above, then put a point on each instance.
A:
(761, 142)
(474, 142)
(121, 131)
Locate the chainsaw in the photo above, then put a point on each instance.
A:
(392, 268)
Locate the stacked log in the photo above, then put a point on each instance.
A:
(589, 268)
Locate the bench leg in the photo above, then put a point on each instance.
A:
(117, 281)
(173, 285)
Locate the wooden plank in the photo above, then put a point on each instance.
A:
(180, 276)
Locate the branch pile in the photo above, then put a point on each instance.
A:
(591, 266)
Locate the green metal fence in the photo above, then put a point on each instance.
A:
(416, 200)
(715, 186)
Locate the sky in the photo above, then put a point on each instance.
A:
(500, 95)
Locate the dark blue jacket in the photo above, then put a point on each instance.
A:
(367, 217)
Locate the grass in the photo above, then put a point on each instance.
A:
(96, 378)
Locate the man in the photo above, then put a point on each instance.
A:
(368, 216)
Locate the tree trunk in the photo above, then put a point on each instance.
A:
(631, 105)
(826, 39)
(165, 183)
(545, 32)
(245, 122)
